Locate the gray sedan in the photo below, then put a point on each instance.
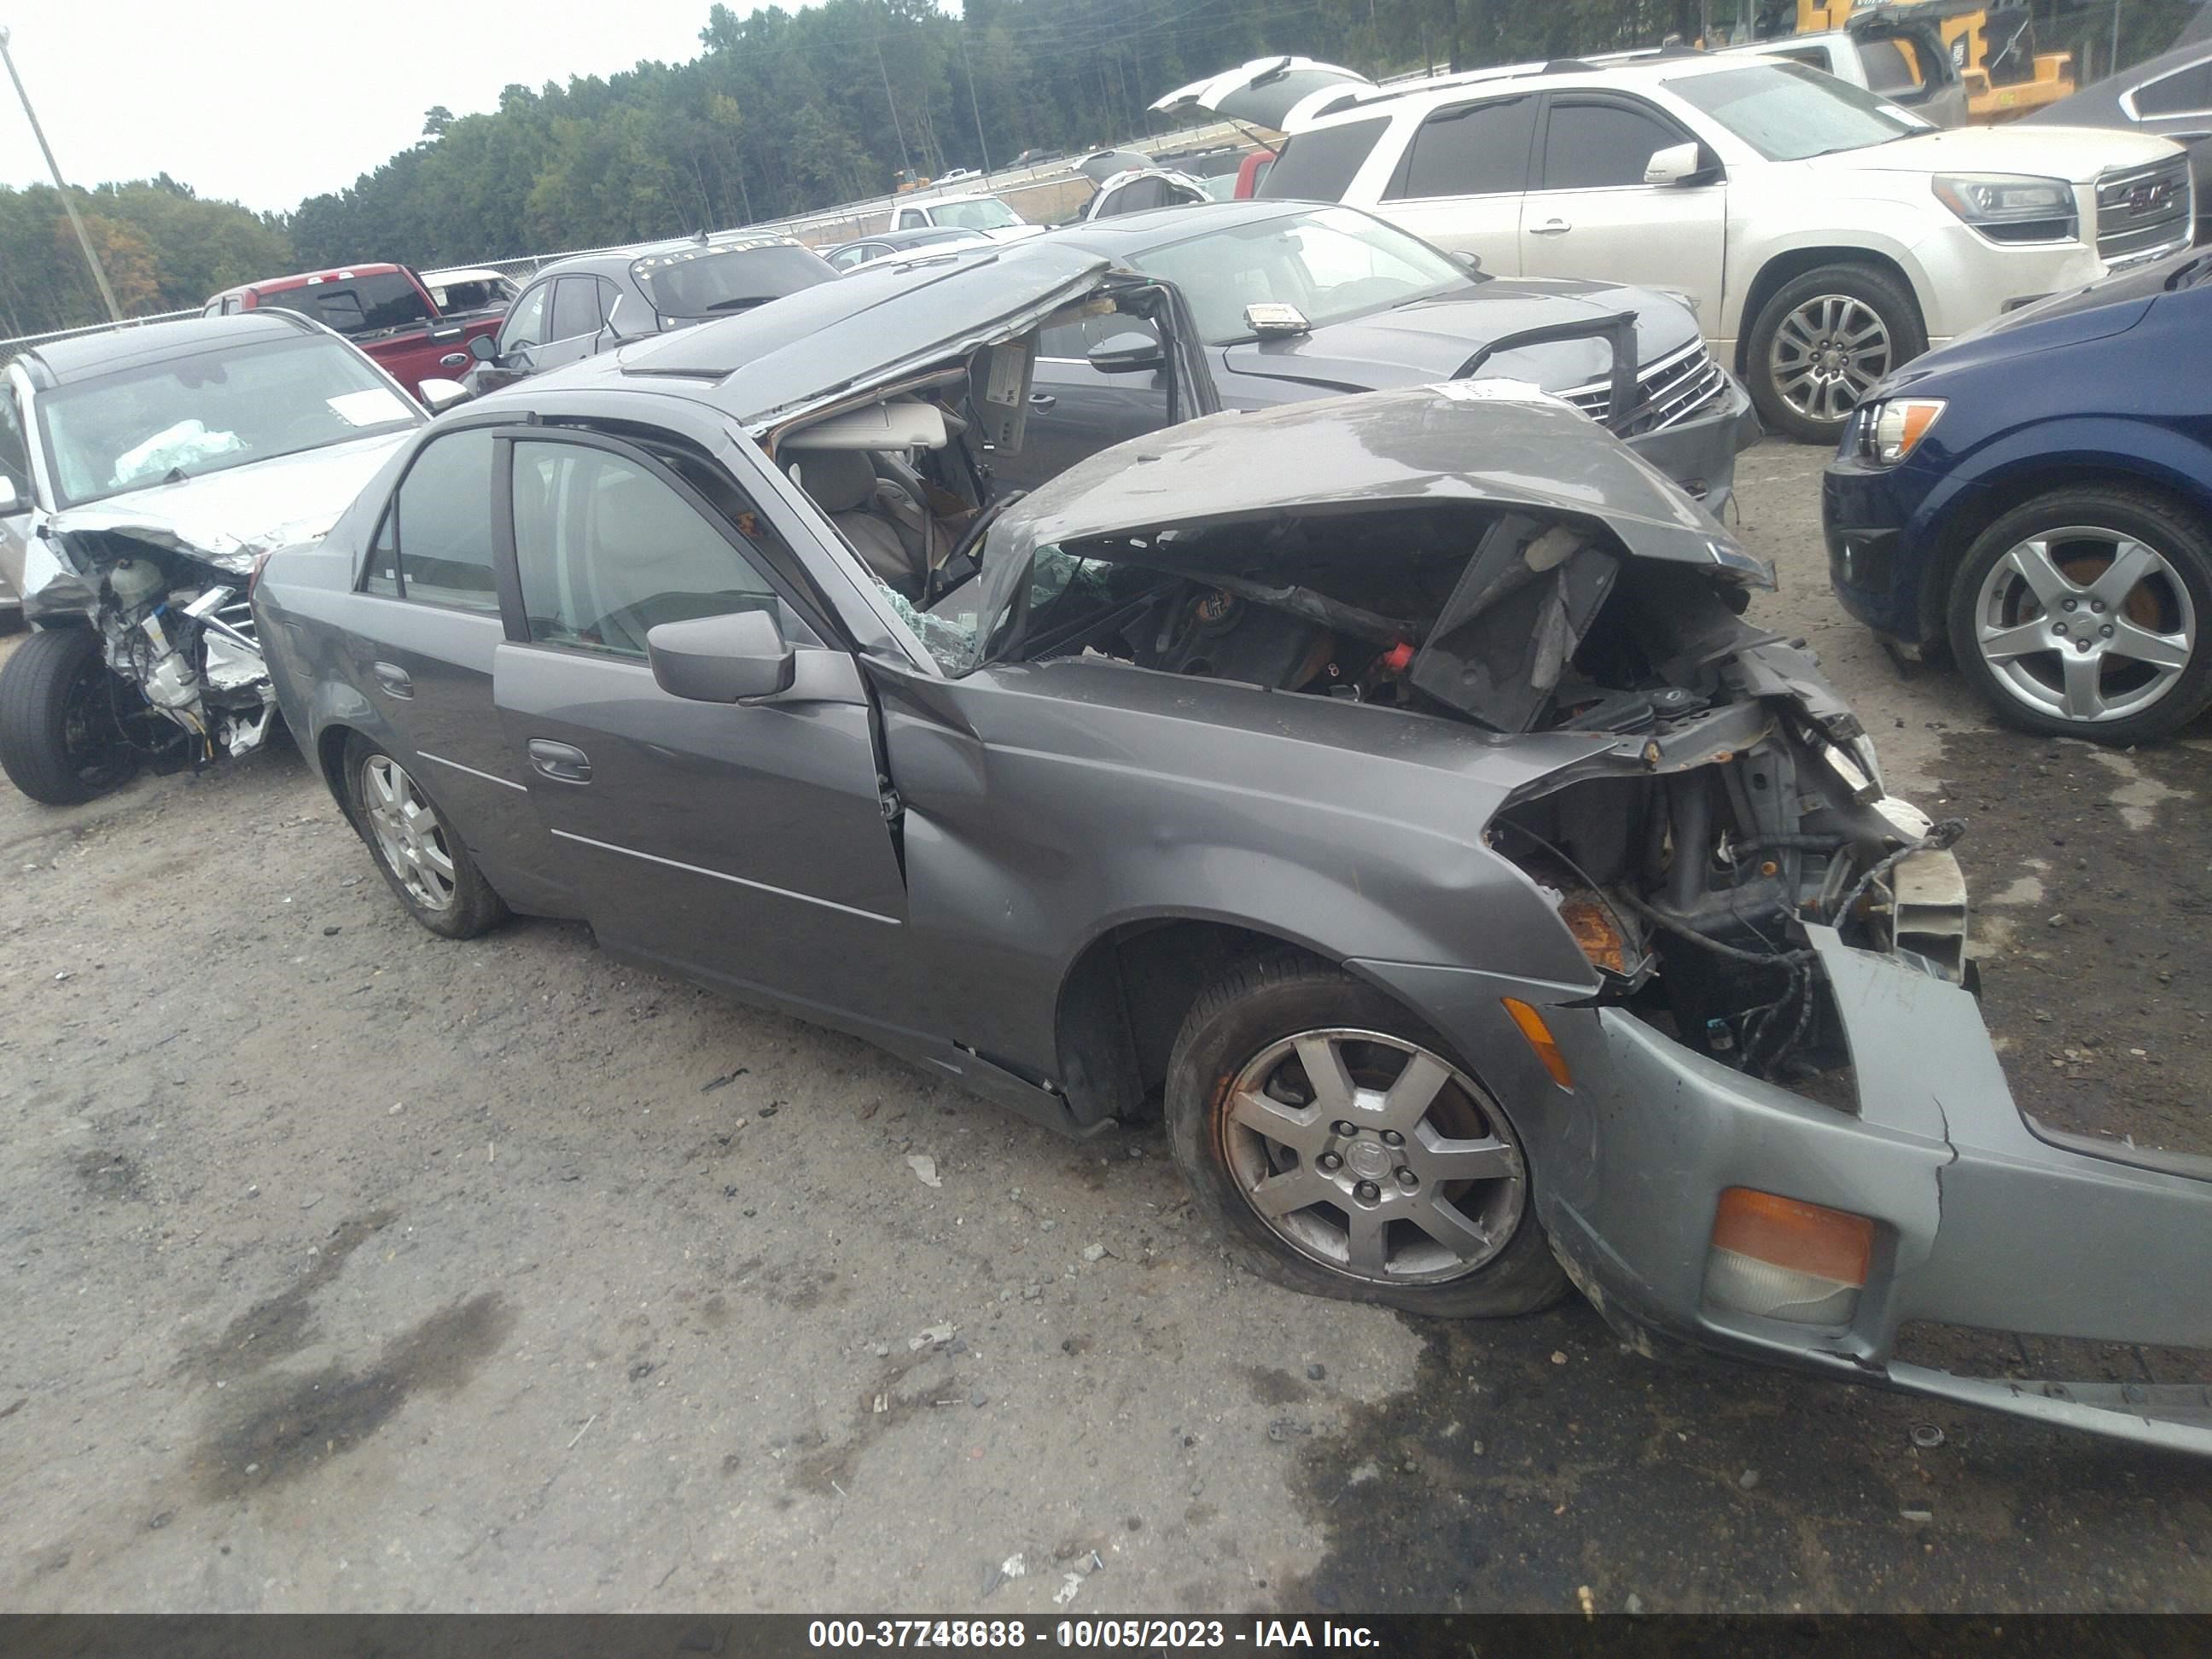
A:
(1294, 301)
(1386, 788)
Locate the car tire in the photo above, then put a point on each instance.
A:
(1809, 359)
(1355, 1231)
(59, 742)
(2022, 648)
(422, 856)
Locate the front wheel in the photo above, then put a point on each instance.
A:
(2083, 613)
(1821, 342)
(1341, 1149)
(60, 740)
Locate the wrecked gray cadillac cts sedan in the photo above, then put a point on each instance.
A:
(1388, 788)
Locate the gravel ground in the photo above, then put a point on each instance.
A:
(349, 1269)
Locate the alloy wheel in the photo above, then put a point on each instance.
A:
(1375, 1157)
(1827, 354)
(410, 837)
(2085, 623)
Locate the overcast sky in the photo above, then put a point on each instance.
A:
(270, 105)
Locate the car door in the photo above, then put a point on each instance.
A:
(1076, 409)
(1461, 181)
(745, 843)
(422, 654)
(1592, 215)
(521, 336)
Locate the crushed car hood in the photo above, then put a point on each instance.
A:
(226, 518)
(1435, 339)
(1489, 442)
(873, 327)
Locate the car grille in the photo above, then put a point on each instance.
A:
(1673, 389)
(2142, 212)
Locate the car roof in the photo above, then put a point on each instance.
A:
(60, 362)
(1359, 103)
(613, 262)
(1126, 234)
(302, 278)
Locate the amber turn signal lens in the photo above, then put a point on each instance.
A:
(1784, 1259)
(1539, 1036)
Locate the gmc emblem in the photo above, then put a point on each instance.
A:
(2148, 196)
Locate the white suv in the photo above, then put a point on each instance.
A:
(1823, 235)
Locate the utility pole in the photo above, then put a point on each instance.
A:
(973, 109)
(60, 185)
(905, 160)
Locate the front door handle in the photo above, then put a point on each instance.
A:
(561, 762)
(1041, 400)
(393, 679)
(1551, 228)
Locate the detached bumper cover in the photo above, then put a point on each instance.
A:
(1702, 450)
(1984, 1219)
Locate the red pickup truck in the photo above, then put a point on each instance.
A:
(383, 309)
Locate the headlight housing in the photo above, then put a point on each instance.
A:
(1884, 434)
(2010, 207)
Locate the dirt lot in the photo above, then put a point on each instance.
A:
(347, 1268)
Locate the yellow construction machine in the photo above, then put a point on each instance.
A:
(1993, 48)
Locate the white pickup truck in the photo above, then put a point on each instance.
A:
(1823, 235)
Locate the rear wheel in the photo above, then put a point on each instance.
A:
(2084, 613)
(421, 854)
(1342, 1149)
(60, 740)
(1821, 342)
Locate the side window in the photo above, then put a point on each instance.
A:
(1593, 146)
(15, 457)
(2185, 92)
(608, 552)
(1476, 150)
(526, 323)
(910, 219)
(434, 544)
(1319, 165)
(575, 309)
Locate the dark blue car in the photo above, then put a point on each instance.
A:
(2037, 498)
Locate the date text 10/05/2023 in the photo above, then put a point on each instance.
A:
(1079, 1634)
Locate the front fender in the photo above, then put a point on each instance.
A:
(1961, 502)
(1774, 225)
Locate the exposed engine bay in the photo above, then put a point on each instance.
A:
(1729, 796)
(190, 685)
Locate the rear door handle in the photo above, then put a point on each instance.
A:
(1552, 228)
(393, 679)
(561, 762)
(1041, 400)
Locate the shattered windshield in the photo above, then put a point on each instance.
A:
(211, 412)
(956, 632)
(1332, 264)
(985, 213)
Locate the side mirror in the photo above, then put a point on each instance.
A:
(730, 658)
(1472, 261)
(1127, 354)
(11, 503)
(1673, 165)
(439, 395)
(482, 349)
